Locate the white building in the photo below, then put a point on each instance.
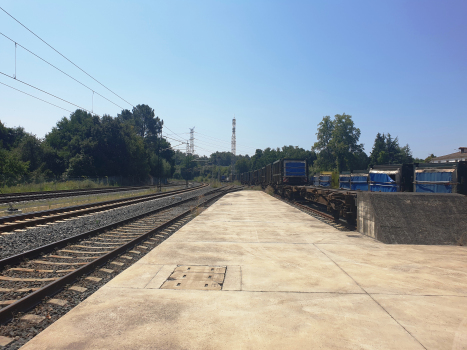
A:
(452, 158)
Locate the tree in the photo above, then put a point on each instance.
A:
(242, 166)
(429, 158)
(11, 167)
(406, 154)
(378, 147)
(29, 150)
(386, 150)
(337, 143)
(143, 119)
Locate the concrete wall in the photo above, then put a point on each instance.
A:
(413, 218)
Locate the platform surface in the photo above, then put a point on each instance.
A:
(291, 282)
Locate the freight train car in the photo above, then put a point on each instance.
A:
(359, 180)
(441, 178)
(263, 176)
(289, 172)
(325, 179)
(268, 175)
(391, 178)
(344, 180)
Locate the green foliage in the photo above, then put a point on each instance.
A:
(221, 158)
(11, 167)
(82, 144)
(242, 166)
(268, 155)
(386, 150)
(337, 144)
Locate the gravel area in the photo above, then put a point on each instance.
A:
(21, 332)
(19, 242)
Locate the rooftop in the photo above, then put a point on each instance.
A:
(461, 154)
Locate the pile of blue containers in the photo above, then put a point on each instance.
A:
(418, 177)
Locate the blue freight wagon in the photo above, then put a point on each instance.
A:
(441, 177)
(290, 172)
(359, 180)
(344, 180)
(391, 178)
(325, 179)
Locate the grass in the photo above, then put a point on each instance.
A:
(254, 188)
(269, 190)
(54, 203)
(52, 186)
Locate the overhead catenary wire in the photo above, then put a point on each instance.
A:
(37, 36)
(225, 143)
(48, 93)
(218, 145)
(50, 64)
(184, 141)
(215, 138)
(36, 97)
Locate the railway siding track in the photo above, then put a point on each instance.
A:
(320, 215)
(31, 196)
(18, 222)
(30, 277)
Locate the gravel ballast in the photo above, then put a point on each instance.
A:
(18, 242)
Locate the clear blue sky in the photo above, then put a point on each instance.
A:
(279, 66)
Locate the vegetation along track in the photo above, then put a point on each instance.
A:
(26, 279)
(32, 196)
(17, 222)
(319, 214)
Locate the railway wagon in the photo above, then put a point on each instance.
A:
(244, 178)
(359, 180)
(344, 180)
(314, 180)
(256, 177)
(290, 172)
(441, 177)
(325, 178)
(268, 175)
(391, 178)
(263, 176)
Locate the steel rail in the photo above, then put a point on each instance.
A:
(14, 222)
(31, 196)
(304, 207)
(31, 300)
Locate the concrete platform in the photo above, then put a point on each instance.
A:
(291, 282)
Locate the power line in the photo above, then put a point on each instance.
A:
(216, 145)
(215, 138)
(65, 57)
(36, 97)
(184, 141)
(84, 109)
(56, 69)
(173, 132)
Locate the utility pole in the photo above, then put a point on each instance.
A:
(192, 140)
(159, 159)
(233, 146)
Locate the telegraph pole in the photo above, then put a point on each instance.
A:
(159, 159)
(233, 146)
(192, 140)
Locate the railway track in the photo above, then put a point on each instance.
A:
(31, 196)
(27, 278)
(319, 214)
(21, 221)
